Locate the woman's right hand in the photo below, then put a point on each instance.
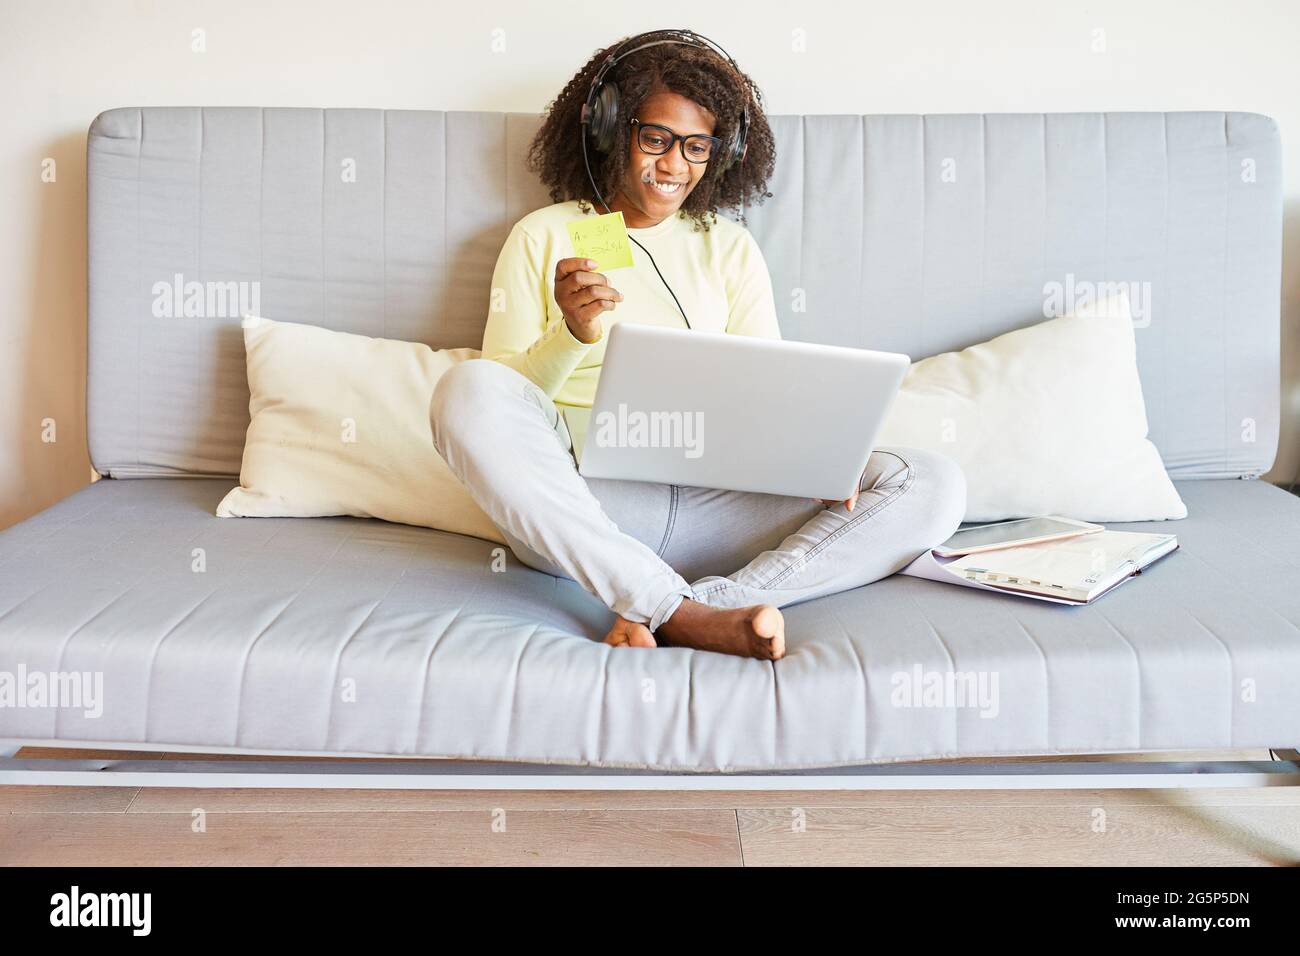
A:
(583, 295)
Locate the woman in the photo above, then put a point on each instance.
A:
(511, 425)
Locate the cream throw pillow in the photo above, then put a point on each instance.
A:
(340, 426)
(1047, 419)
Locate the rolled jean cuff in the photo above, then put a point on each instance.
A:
(667, 608)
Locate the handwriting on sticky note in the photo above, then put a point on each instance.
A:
(603, 238)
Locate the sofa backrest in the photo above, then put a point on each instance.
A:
(917, 234)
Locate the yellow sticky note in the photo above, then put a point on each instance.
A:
(603, 238)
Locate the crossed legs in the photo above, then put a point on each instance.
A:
(507, 443)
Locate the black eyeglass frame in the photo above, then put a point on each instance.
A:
(673, 140)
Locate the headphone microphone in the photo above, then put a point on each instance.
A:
(600, 117)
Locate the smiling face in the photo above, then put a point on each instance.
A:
(642, 202)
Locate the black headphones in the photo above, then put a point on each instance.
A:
(600, 112)
(600, 117)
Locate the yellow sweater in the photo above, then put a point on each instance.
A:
(719, 276)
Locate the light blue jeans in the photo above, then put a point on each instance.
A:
(634, 545)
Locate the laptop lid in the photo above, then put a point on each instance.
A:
(713, 410)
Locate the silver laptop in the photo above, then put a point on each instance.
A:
(714, 410)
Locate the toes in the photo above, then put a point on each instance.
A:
(768, 624)
(767, 621)
(627, 633)
(639, 636)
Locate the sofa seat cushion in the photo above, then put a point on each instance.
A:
(352, 635)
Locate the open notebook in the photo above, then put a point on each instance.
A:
(1075, 570)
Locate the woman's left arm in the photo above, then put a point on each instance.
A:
(751, 306)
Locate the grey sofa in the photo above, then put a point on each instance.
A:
(915, 234)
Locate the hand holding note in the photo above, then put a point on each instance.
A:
(583, 295)
(603, 238)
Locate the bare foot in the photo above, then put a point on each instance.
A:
(627, 633)
(757, 631)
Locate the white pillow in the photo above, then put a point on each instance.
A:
(1047, 419)
(340, 426)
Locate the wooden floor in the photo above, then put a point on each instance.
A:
(131, 826)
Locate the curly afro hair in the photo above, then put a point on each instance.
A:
(694, 71)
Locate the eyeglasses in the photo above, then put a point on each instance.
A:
(657, 140)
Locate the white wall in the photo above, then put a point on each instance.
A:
(62, 62)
